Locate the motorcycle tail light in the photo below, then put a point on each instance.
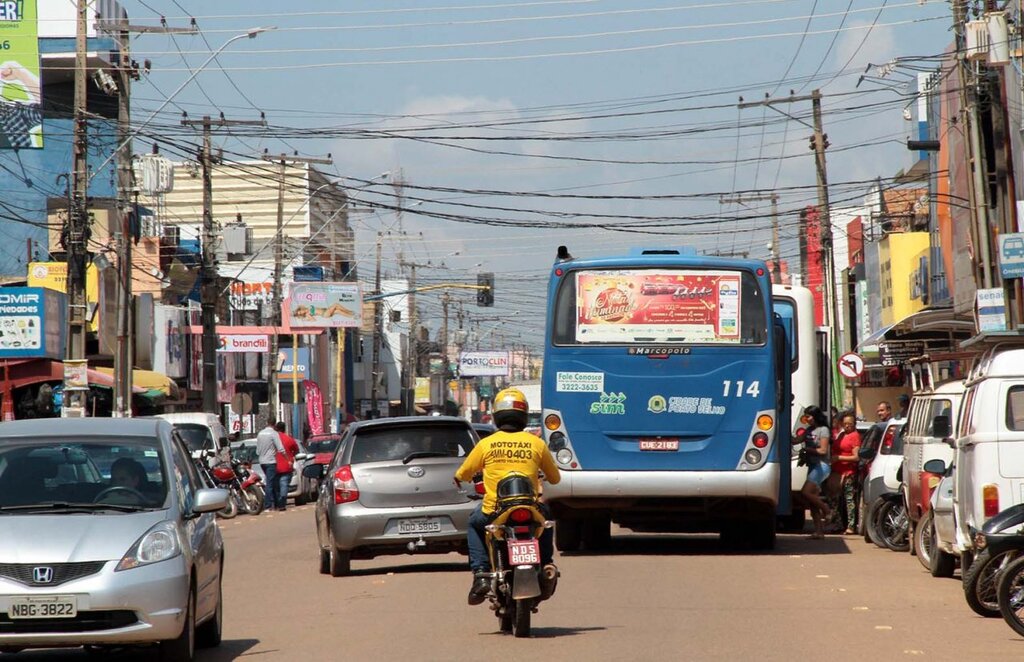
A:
(345, 488)
(990, 499)
(520, 515)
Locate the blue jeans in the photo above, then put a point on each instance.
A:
(284, 479)
(479, 561)
(270, 485)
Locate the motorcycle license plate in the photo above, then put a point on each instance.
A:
(50, 606)
(523, 552)
(414, 526)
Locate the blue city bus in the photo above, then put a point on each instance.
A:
(665, 397)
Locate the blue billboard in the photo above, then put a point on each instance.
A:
(32, 323)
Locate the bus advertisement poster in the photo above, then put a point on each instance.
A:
(658, 306)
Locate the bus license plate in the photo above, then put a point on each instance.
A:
(50, 606)
(413, 526)
(659, 444)
(523, 552)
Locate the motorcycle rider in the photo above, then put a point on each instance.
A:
(497, 456)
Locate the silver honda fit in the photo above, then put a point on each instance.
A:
(107, 538)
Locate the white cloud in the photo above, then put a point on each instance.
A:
(878, 47)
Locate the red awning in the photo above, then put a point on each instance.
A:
(23, 372)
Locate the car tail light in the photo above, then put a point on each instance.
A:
(760, 439)
(345, 488)
(990, 498)
(887, 440)
(520, 515)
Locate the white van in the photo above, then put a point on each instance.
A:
(931, 420)
(990, 443)
(200, 431)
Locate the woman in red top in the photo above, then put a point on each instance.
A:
(844, 463)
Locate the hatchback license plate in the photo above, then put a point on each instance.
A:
(51, 606)
(523, 552)
(659, 444)
(413, 526)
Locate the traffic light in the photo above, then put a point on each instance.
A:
(485, 295)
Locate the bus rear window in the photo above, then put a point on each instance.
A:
(663, 306)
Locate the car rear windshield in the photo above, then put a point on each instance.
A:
(322, 445)
(196, 437)
(394, 444)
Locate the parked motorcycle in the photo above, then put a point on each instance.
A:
(201, 460)
(518, 582)
(998, 570)
(239, 482)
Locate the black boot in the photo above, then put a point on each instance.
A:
(478, 592)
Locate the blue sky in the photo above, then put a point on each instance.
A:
(638, 99)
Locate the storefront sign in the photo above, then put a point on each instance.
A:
(893, 353)
(319, 305)
(32, 323)
(170, 352)
(236, 343)
(76, 374)
(54, 276)
(287, 365)
(483, 364)
(422, 390)
(991, 310)
(1011, 255)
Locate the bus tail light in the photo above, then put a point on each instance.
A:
(760, 440)
(752, 456)
(564, 456)
(990, 499)
(552, 422)
(765, 422)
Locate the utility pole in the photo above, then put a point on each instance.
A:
(76, 234)
(819, 143)
(412, 355)
(208, 291)
(758, 197)
(377, 324)
(283, 161)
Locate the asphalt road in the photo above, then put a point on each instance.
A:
(659, 597)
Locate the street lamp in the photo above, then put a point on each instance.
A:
(248, 34)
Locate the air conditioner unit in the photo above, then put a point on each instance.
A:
(149, 226)
(977, 40)
(172, 233)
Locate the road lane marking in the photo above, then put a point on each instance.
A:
(883, 627)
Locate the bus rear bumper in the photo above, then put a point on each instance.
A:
(580, 486)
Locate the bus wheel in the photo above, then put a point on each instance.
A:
(596, 532)
(568, 534)
(762, 534)
(795, 521)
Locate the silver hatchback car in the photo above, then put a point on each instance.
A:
(107, 538)
(389, 489)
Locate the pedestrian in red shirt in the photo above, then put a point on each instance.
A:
(844, 462)
(285, 465)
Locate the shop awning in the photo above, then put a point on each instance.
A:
(937, 325)
(149, 383)
(23, 372)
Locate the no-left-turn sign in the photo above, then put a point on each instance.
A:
(851, 365)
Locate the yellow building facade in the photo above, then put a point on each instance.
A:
(900, 258)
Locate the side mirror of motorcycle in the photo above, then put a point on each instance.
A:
(935, 466)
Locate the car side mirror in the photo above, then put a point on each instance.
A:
(302, 457)
(209, 500)
(935, 466)
(940, 426)
(313, 471)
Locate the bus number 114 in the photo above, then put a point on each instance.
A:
(753, 390)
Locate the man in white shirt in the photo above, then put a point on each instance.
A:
(268, 445)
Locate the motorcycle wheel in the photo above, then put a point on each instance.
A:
(923, 541)
(892, 526)
(1010, 595)
(871, 523)
(980, 582)
(521, 619)
(229, 510)
(253, 501)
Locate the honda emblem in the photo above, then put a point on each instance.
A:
(42, 574)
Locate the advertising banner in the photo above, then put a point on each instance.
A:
(31, 323)
(234, 344)
(170, 353)
(319, 305)
(658, 306)
(422, 390)
(314, 407)
(21, 117)
(54, 276)
(288, 369)
(483, 364)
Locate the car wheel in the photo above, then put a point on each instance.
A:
(340, 562)
(183, 647)
(300, 496)
(942, 564)
(208, 635)
(325, 562)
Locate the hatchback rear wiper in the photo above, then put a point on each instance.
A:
(417, 454)
(64, 505)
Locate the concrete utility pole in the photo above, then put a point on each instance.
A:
(377, 323)
(283, 161)
(819, 143)
(76, 229)
(208, 292)
(758, 197)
